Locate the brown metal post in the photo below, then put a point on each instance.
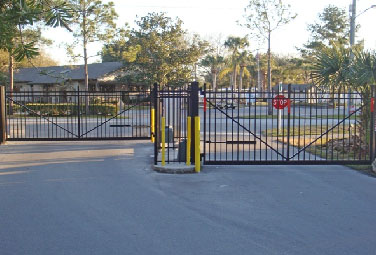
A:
(2, 116)
(372, 141)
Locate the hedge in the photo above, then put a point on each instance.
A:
(16, 107)
(65, 109)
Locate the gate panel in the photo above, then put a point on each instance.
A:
(314, 127)
(78, 115)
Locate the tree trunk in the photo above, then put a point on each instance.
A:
(86, 69)
(85, 50)
(214, 78)
(259, 86)
(270, 107)
(234, 78)
(11, 82)
(84, 35)
(241, 78)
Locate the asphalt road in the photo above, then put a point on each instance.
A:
(103, 198)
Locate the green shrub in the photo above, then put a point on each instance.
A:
(16, 107)
(134, 99)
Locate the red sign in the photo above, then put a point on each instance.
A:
(280, 102)
(372, 104)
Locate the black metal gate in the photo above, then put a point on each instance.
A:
(78, 115)
(176, 112)
(314, 127)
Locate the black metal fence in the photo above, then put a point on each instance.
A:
(78, 115)
(2, 115)
(312, 127)
(308, 126)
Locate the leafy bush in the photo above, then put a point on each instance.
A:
(134, 99)
(16, 107)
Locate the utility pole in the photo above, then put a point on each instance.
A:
(270, 106)
(353, 16)
(352, 24)
(352, 42)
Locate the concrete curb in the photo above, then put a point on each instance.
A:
(174, 169)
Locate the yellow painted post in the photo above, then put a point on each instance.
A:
(197, 144)
(189, 138)
(163, 141)
(152, 127)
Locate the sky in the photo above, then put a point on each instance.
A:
(218, 18)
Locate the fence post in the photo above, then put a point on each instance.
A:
(288, 121)
(197, 144)
(163, 140)
(152, 116)
(78, 112)
(195, 134)
(2, 115)
(156, 123)
(189, 141)
(372, 128)
(204, 122)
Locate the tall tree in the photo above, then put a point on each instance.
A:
(244, 60)
(289, 70)
(263, 17)
(18, 14)
(332, 27)
(92, 21)
(157, 50)
(234, 44)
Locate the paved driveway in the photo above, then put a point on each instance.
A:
(102, 198)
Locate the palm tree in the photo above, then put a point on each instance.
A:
(234, 44)
(363, 70)
(331, 67)
(243, 61)
(214, 62)
(237, 69)
(334, 68)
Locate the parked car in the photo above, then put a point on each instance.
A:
(226, 106)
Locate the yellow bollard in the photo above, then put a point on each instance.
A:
(163, 141)
(152, 127)
(188, 141)
(197, 144)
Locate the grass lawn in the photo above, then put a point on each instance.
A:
(366, 169)
(265, 116)
(319, 149)
(338, 117)
(306, 130)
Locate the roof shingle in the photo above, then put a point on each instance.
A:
(58, 74)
